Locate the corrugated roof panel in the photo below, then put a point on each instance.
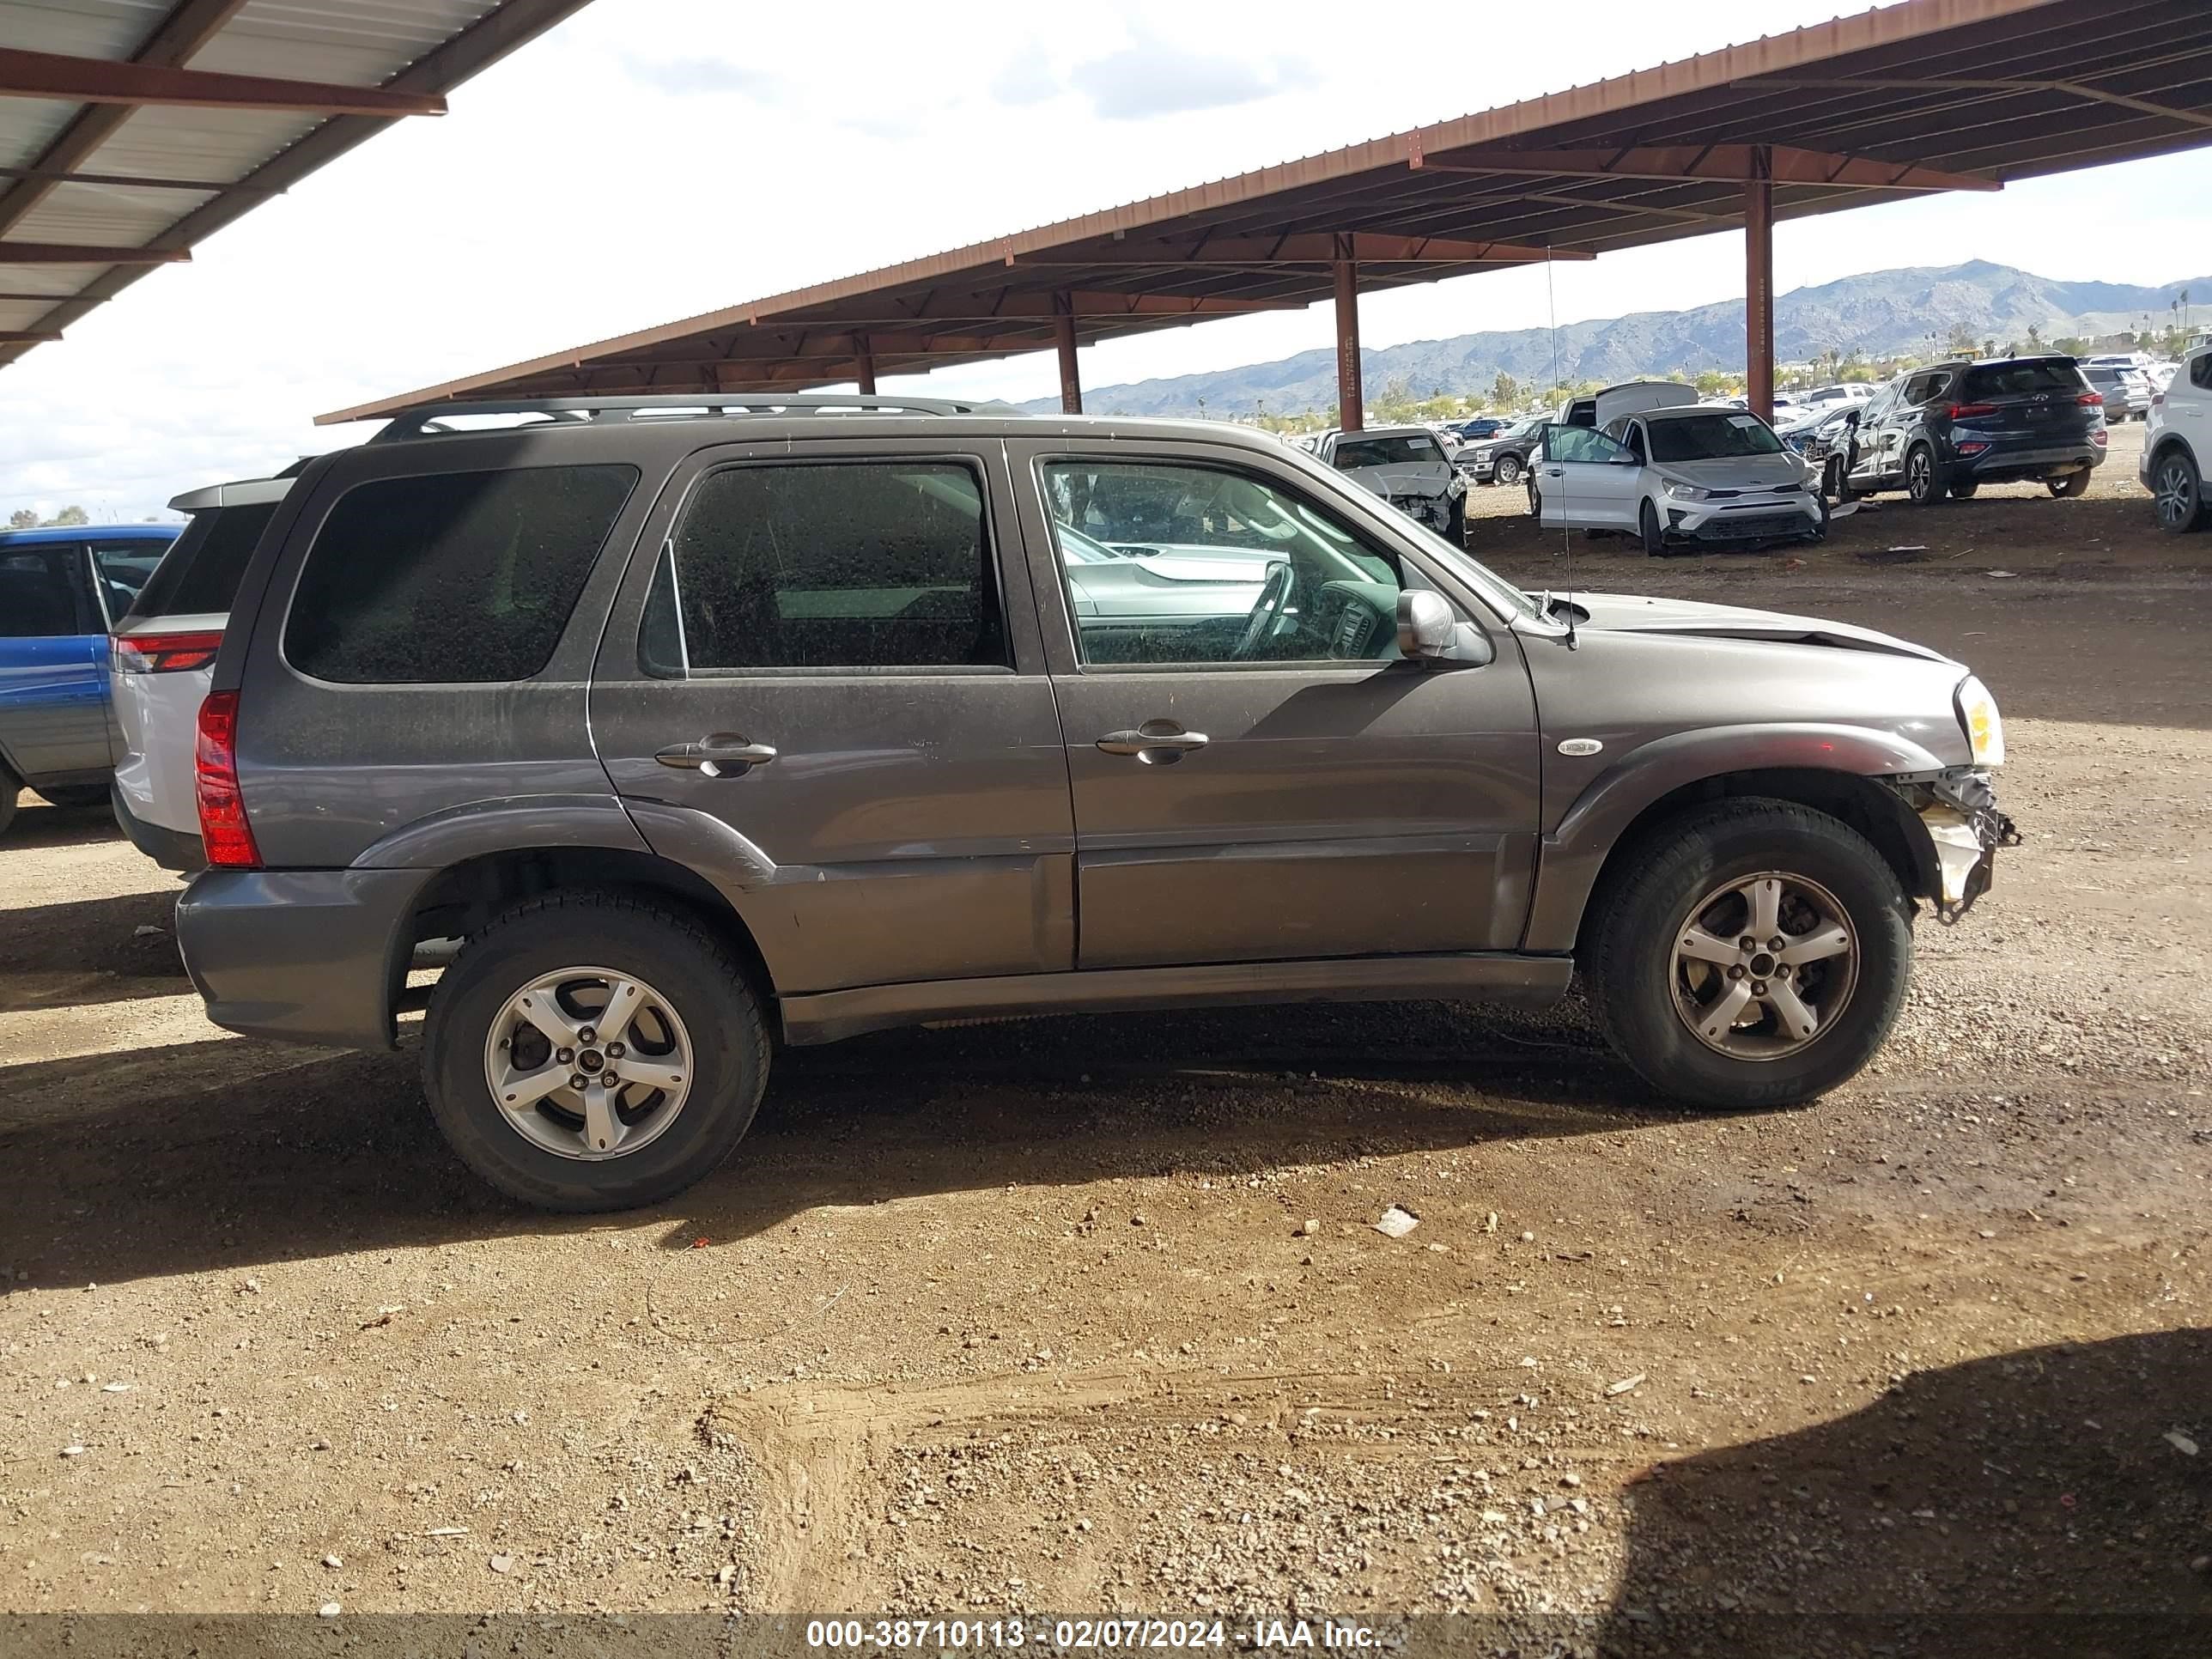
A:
(105, 215)
(199, 144)
(80, 29)
(359, 43)
(60, 281)
(27, 125)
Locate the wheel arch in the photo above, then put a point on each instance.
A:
(1831, 770)
(459, 900)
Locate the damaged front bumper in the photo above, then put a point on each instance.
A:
(1959, 810)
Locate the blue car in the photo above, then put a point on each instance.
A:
(61, 591)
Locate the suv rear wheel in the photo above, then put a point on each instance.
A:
(2177, 492)
(1755, 954)
(587, 1051)
(2073, 483)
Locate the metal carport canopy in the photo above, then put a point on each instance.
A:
(1924, 95)
(130, 129)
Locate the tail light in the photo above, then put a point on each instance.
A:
(165, 653)
(2091, 400)
(224, 831)
(2158, 400)
(2099, 438)
(1960, 410)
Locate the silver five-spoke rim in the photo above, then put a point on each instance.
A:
(1763, 965)
(588, 1063)
(2176, 500)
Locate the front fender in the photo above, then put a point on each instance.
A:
(1571, 857)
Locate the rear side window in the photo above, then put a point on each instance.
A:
(1385, 452)
(455, 577)
(36, 601)
(2022, 379)
(836, 565)
(2200, 370)
(202, 570)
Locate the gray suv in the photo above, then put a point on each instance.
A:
(708, 728)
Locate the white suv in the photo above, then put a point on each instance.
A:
(2176, 443)
(162, 658)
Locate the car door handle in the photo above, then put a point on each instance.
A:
(1553, 472)
(716, 755)
(1155, 740)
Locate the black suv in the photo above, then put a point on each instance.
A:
(704, 728)
(1951, 427)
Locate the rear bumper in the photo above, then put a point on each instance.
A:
(2044, 461)
(298, 956)
(173, 849)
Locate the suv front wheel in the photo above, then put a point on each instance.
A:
(588, 1051)
(1755, 954)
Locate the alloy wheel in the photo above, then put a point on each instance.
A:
(2175, 494)
(588, 1063)
(1764, 964)
(1919, 476)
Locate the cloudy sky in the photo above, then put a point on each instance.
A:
(653, 159)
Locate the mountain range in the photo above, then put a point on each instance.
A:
(1880, 313)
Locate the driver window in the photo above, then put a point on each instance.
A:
(1164, 563)
(1580, 443)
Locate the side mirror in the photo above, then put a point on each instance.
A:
(1425, 623)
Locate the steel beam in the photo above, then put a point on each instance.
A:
(63, 176)
(1063, 335)
(1759, 290)
(1786, 165)
(1351, 407)
(864, 364)
(28, 336)
(74, 253)
(2080, 89)
(107, 80)
(1298, 248)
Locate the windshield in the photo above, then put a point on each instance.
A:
(1385, 452)
(1718, 436)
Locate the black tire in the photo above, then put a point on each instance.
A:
(76, 797)
(1962, 490)
(1506, 469)
(1647, 529)
(697, 974)
(1535, 501)
(1924, 476)
(1627, 955)
(2073, 484)
(10, 789)
(1833, 483)
(2178, 492)
(1456, 522)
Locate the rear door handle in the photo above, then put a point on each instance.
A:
(723, 754)
(1155, 741)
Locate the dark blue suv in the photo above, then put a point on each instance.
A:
(61, 590)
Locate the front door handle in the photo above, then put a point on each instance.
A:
(722, 755)
(1155, 742)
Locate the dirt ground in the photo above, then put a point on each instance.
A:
(1079, 1316)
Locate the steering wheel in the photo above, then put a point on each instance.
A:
(1267, 610)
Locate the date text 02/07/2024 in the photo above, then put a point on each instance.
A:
(1087, 1635)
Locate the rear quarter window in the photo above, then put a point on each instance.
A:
(454, 577)
(2022, 379)
(201, 571)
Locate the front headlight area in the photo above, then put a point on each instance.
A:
(1684, 492)
(1979, 719)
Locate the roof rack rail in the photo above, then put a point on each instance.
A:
(428, 420)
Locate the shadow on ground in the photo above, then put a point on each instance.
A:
(196, 1156)
(89, 950)
(2027, 1504)
(40, 824)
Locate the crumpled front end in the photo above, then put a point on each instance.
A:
(1959, 810)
